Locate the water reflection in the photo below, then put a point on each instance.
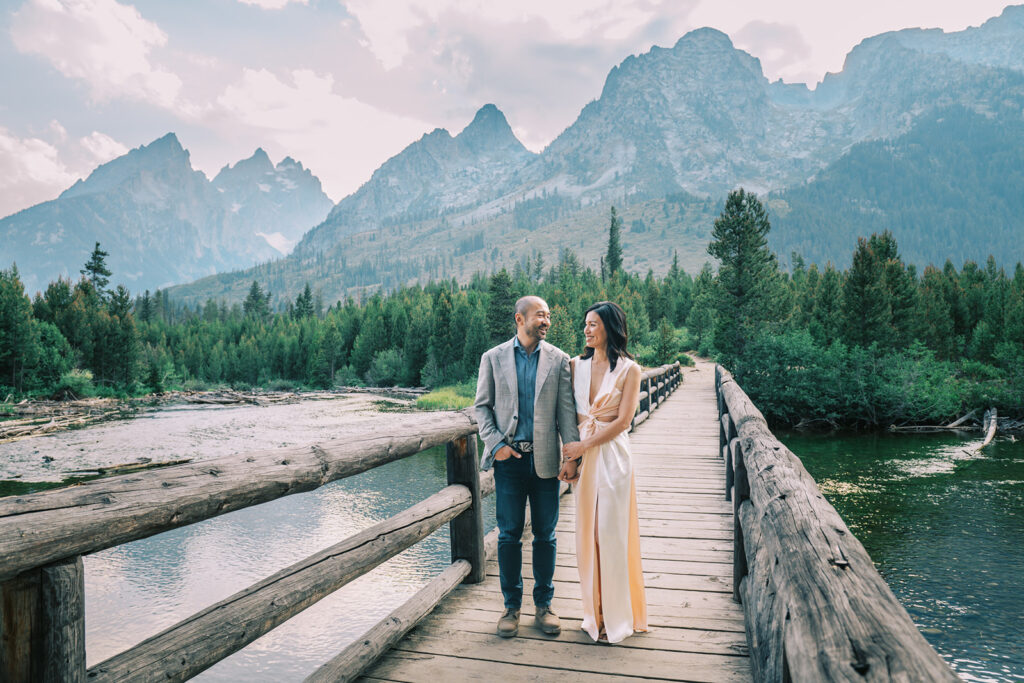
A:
(136, 590)
(943, 524)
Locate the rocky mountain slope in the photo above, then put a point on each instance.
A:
(162, 222)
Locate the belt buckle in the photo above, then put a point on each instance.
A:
(523, 446)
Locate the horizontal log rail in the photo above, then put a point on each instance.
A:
(40, 528)
(202, 640)
(815, 607)
(43, 537)
(655, 385)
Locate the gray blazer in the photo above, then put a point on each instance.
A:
(554, 409)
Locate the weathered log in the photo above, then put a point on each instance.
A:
(728, 429)
(467, 530)
(44, 527)
(965, 418)
(815, 607)
(42, 624)
(991, 423)
(203, 639)
(355, 658)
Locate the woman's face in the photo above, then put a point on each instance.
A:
(593, 331)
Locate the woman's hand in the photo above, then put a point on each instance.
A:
(570, 472)
(573, 450)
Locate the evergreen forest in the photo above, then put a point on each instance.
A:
(878, 343)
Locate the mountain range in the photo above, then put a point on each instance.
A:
(162, 222)
(917, 134)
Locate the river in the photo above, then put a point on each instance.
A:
(944, 527)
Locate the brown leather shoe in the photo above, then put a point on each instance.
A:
(548, 621)
(508, 625)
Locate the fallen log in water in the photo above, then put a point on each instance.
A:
(991, 424)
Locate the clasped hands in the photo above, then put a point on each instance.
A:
(571, 454)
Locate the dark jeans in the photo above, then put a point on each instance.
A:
(515, 482)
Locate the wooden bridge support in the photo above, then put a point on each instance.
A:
(42, 625)
(467, 530)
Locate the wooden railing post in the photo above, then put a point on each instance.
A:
(42, 624)
(740, 493)
(467, 530)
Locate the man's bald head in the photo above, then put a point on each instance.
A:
(526, 303)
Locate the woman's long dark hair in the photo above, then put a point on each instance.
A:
(616, 333)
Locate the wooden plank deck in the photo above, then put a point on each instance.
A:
(697, 631)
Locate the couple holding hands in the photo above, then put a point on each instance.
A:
(529, 395)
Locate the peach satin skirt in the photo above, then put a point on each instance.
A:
(608, 541)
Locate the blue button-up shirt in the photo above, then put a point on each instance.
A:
(526, 379)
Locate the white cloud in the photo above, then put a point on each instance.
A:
(341, 139)
(31, 171)
(273, 4)
(387, 25)
(102, 147)
(102, 42)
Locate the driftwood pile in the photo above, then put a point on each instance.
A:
(36, 417)
(41, 417)
(989, 424)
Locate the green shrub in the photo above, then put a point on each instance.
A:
(451, 397)
(75, 384)
(346, 376)
(386, 368)
(282, 384)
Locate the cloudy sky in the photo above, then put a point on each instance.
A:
(341, 85)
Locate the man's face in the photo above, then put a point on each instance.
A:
(536, 321)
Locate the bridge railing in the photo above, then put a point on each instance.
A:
(815, 607)
(43, 537)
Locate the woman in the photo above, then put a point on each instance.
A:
(606, 385)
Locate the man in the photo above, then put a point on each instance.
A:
(524, 402)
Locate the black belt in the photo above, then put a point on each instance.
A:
(522, 446)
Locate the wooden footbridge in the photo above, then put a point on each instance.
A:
(750, 573)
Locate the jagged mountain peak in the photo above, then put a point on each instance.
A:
(256, 165)
(489, 130)
(165, 154)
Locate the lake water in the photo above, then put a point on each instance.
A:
(944, 526)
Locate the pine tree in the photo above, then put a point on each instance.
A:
(17, 339)
(123, 347)
(304, 304)
(477, 341)
(826, 324)
(445, 349)
(665, 348)
(372, 338)
(96, 270)
(500, 309)
(935, 315)
(613, 257)
(701, 318)
(750, 292)
(866, 312)
(256, 304)
(146, 308)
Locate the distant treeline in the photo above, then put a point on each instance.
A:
(871, 345)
